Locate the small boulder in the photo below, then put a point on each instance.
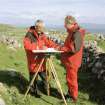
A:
(2, 102)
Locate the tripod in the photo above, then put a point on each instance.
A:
(51, 67)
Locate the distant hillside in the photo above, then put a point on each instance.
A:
(6, 27)
(94, 28)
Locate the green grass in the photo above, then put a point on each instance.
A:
(9, 30)
(5, 27)
(12, 59)
(101, 43)
(90, 37)
(14, 96)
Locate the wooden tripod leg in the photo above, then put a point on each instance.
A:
(57, 80)
(32, 81)
(47, 77)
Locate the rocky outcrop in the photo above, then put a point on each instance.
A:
(94, 60)
(2, 102)
(10, 41)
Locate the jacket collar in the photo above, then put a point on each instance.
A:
(32, 30)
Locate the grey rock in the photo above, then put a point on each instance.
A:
(2, 102)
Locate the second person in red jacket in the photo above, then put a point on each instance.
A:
(72, 56)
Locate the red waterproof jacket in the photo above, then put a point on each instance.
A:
(76, 58)
(33, 41)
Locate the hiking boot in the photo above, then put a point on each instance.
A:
(37, 92)
(70, 98)
(32, 90)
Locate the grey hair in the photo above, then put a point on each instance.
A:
(38, 22)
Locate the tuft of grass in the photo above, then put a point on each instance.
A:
(101, 43)
(90, 37)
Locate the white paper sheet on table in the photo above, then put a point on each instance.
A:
(48, 50)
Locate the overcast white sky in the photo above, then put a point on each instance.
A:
(25, 12)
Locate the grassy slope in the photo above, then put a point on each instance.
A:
(16, 60)
(9, 60)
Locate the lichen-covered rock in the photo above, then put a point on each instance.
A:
(2, 88)
(10, 41)
(2, 102)
(94, 60)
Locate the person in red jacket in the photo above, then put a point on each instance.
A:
(36, 39)
(72, 56)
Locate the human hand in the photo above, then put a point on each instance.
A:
(58, 48)
(45, 47)
(65, 49)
